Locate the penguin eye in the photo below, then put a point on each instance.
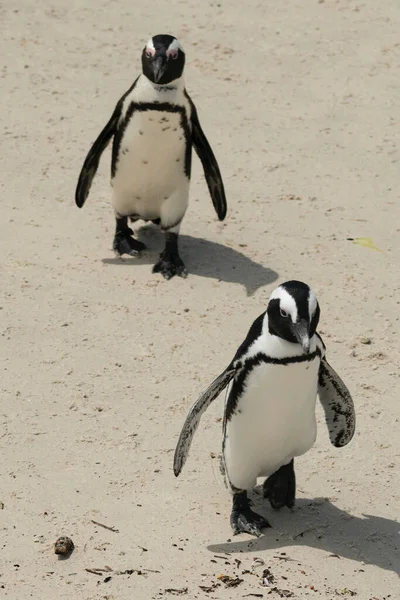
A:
(284, 313)
(148, 54)
(173, 54)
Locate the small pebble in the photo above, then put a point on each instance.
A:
(64, 545)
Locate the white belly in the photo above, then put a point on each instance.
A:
(274, 421)
(151, 167)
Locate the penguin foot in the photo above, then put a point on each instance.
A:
(124, 243)
(170, 264)
(243, 519)
(280, 487)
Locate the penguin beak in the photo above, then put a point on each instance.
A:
(159, 65)
(302, 335)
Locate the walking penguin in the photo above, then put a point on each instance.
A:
(154, 126)
(269, 418)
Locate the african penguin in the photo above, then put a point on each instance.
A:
(154, 126)
(269, 418)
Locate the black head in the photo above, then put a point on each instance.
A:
(293, 313)
(163, 59)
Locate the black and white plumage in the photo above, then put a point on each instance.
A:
(269, 417)
(154, 127)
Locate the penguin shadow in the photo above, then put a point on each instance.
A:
(317, 523)
(203, 258)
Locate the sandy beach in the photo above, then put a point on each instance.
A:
(101, 359)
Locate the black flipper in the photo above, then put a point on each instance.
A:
(209, 162)
(193, 419)
(337, 404)
(92, 160)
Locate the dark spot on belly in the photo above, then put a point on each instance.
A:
(180, 138)
(140, 132)
(145, 162)
(164, 120)
(178, 160)
(175, 129)
(125, 150)
(150, 119)
(137, 198)
(165, 128)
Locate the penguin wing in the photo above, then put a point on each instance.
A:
(193, 419)
(210, 165)
(337, 404)
(92, 160)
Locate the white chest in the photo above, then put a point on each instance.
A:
(273, 422)
(151, 165)
(155, 136)
(152, 150)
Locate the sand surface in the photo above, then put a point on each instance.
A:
(101, 359)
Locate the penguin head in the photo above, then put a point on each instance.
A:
(163, 59)
(293, 313)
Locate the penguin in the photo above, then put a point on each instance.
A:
(154, 127)
(269, 417)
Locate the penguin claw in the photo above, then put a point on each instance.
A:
(248, 521)
(125, 244)
(168, 267)
(278, 500)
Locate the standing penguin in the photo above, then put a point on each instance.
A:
(269, 417)
(154, 125)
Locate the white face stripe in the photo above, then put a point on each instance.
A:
(150, 46)
(174, 45)
(287, 302)
(312, 304)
